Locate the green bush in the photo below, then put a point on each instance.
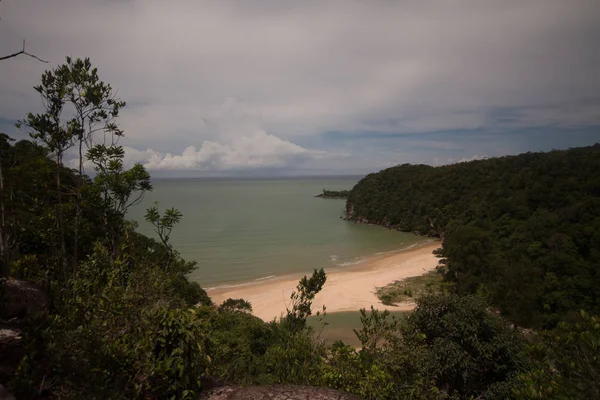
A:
(470, 350)
(567, 362)
(177, 360)
(347, 370)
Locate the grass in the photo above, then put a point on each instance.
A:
(410, 288)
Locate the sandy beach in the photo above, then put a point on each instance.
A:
(349, 289)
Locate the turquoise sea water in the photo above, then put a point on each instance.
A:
(249, 229)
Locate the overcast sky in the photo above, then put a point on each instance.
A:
(320, 87)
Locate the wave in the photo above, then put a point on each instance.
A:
(353, 262)
(231, 286)
(266, 277)
(359, 260)
(421, 243)
(241, 284)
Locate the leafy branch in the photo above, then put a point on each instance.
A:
(163, 225)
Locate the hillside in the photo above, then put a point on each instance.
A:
(524, 230)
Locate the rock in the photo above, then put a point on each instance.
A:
(276, 392)
(11, 350)
(20, 298)
(5, 395)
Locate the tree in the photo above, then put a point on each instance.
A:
(567, 362)
(119, 188)
(235, 305)
(302, 299)
(518, 229)
(472, 353)
(78, 106)
(163, 225)
(95, 109)
(56, 135)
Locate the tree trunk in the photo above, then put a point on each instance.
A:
(78, 206)
(3, 246)
(61, 225)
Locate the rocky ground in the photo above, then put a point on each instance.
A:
(276, 392)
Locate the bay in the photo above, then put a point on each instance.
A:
(251, 229)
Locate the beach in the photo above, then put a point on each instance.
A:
(346, 289)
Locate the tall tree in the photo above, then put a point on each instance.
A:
(96, 108)
(78, 105)
(49, 128)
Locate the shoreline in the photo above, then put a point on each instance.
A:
(348, 289)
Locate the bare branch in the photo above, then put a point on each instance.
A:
(22, 52)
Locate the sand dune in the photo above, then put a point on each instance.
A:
(345, 290)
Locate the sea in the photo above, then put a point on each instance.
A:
(254, 229)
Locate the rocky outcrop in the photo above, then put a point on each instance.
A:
(18, 299)
(11, 351)
(276, 392)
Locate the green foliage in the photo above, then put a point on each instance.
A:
(294, 357)
(116, 184)
(94, 106)
(119, 324)
(472, 352)
(522, 229)
(302, 299)
(178, 360)
(334, 194)
(119, 329)
(78, 105)
(233, 305)
(451, 347)
(236, 342)
(246, 350)
(163, 224)
(567, 362)
(376, 328)
(349, 371)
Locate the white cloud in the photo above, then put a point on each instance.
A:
(256, 150)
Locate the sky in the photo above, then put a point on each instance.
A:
(319, 87)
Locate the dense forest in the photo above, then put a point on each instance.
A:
(523, 231)
(334, 194)
(107, 313)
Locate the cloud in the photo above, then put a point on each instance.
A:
(237, 143)
(299, 70)
(256, 150)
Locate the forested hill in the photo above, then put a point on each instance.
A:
(524, 230)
